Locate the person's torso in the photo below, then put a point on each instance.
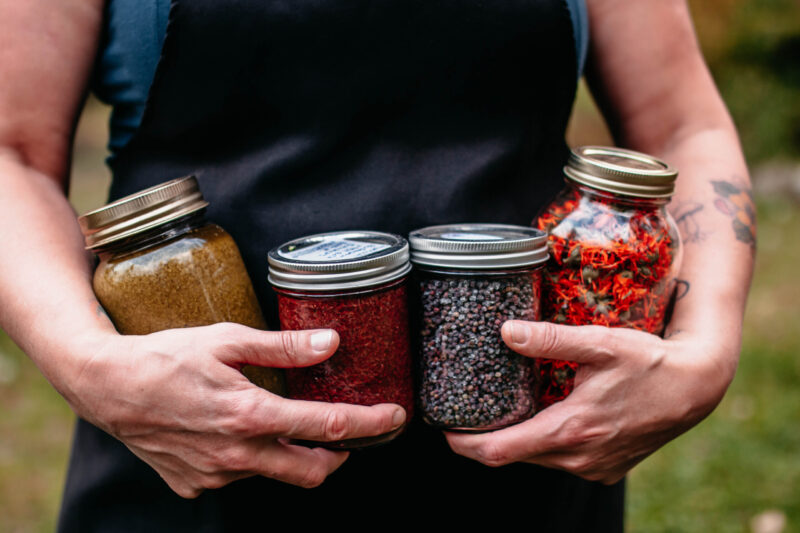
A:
(319, 115)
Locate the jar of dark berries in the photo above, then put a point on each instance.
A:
(163, 266)
(354, 282)
(614, 250)
(471, 279)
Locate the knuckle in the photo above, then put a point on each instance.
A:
(549, 338)
(492, 454)
(226, 333)
(288, 343)
(580, 465)
(312, 477)
(336, 425)
(186, 491)
(233, 458)
(656, 357)
(605, 343)
(571, 434)
(576, 433)
(214, 481)
(241, 418)
(237, 424)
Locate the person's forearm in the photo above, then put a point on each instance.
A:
(47, 301)
(668, 106)
(716, 217)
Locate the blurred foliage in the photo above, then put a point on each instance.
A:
(753, 51)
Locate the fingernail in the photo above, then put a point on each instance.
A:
(398, 418)
(519, 333)
(321, 340)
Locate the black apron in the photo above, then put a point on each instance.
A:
(304, 116)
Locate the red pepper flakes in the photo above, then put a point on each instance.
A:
(611, 264)
(373, 362)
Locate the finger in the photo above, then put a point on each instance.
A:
(539, 437)
(580, 344)
(298, 465)
(329, 422)
(283, 349)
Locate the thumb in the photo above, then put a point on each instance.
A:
(240, 345)
(580, 344)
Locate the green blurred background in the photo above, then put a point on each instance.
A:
(737, 471)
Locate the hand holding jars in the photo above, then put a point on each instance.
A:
(614, 254)
(178, 400)
(633, 393)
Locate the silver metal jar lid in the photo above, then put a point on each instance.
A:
(478, 246)
(141, 211)
(621, 171)
(339, 260)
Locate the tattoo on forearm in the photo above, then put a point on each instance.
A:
(681, 288)
(685, 214)
(672, 333)
(736, 201)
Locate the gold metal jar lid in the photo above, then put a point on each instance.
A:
(141, 211)
(621, 171)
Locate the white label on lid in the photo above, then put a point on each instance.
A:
(470, 237)
(342, 250)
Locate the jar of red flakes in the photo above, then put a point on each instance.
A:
(614, 250)
(355, 283)
(471, 279)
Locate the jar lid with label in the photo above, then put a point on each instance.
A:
(477, 246)
(339, 260)
(621, 171)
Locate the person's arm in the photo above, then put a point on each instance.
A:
(634, 392)
(175, 398)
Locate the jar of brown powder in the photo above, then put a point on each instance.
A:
(163, 266)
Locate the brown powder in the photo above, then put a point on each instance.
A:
(196, 279)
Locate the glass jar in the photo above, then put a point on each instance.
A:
(471, 279)
(614, 250)
(354, 282)
(163, 266)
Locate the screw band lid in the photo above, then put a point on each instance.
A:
(141, 211)
(477, 246)
(339, 260)
(621, 171)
